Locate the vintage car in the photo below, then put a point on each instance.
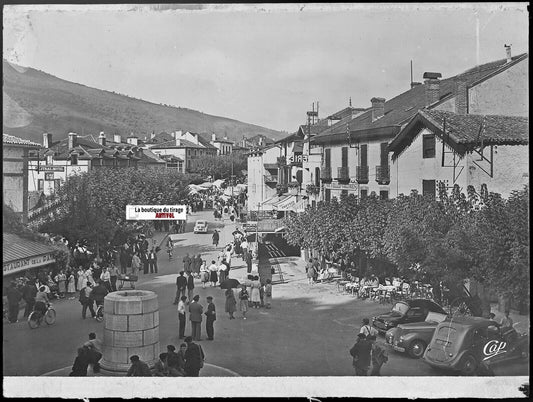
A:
(200, 227)
(414, 337)
(474, 345)
(414, 310)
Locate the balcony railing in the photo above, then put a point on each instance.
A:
(383, 174)
(325, 174)
(343, 174)
(271, 179)
(362, 174)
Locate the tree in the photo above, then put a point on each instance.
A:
(221, 166)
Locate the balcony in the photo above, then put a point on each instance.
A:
(383, 174)
(270, 179)
(343, 174)
(362, 174)
(325, 174)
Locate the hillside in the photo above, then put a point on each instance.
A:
(36, 102)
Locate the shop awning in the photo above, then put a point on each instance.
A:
(267, 204)
(20, 254)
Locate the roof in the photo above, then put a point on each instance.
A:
(19, 142)
(346, 112)
(291, 138)
(401, 108)
(462, 132)
(17, 248)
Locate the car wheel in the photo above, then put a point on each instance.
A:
(469, 366)
(417, 348)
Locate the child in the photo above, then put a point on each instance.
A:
(204, 274)
(268, 293)
(243, 304)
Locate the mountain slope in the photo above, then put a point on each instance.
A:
(36, 102)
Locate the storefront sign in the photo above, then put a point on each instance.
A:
(333, 186)
(51, 168)
(49, 176)
(156, 212)
(27, 263)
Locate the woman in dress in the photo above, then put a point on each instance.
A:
(213, 277)
(256, 299)
(268, 293)
(248, 283)
(89, 275)
(222, 272)
(231, 303)
(82, 279)
(61, 280)
(204, 274)
(71, 285)
(243, 301)
(197, 265)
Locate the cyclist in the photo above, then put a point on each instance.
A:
(41, 301)
(98, 294)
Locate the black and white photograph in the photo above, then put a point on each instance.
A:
(327, 199)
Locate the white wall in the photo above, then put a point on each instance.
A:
(258, 191)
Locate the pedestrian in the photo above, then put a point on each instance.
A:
(114, 272)
(310, 269)
(86, 300)
(204, 274)
(506, 322)
(216, 238)
(255, 296)
(248, 258)
(196, 264)
(210, 319)
(161, 368)
(81, 363)
(89, 275)
(138, 368)
(105, 278)
(190, 285)
(262, 294)
(136, 264)
(181, 287)
(182, 316)
(268, 293)
(248, 282)
(99, 293)
(378, 356)
(243, 301)
(194, 358)
(71, 285)
(95, 351)
(82, 279)
(368, 330)
(222, 268)
(213, 277)
(244, 247)
(316, 269)
(360, 352)
(195, 316)
(13, 299)
(231, 303)
(29, 291)
(145, 262)
(181, 359)
(187, 263)
(173, 362)
(61, 280)
(152, 261)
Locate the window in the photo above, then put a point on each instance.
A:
(384, 195)
(344, 193)
(428, 187)
(428, 146)
(364, 193)
(384, 156)
(364, 155)
(74, 159)
(40, 185)
(327, 157)
(57, 184)
(317, 177)
(328, 195)
(344, 157)
(313, 204)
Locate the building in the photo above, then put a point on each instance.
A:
(15, 167)
(224, 146)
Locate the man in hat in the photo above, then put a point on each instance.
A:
(194, 358)
(361, 355)
(195, 316)
(138, 368)
(211, 316)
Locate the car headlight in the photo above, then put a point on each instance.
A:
(401, 338)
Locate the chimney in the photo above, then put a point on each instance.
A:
(72, 140)
(260, 141)
(178, 142)
(432, 83)
(461, 96)
(47, 140)
(378, 108)
(225, 137)
(102, 139)
(213, 137)
(152, 135)
(132, 140)
(117, 138)
(415, 84)
(508, 52)
(178, 134)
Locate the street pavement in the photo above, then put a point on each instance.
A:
(308, 331)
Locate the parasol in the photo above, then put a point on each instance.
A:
(229, 284)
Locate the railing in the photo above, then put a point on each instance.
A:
(325, 174)
(271, 178)
(343, 174)
(383, 174)
(362, 174)
(44, 210)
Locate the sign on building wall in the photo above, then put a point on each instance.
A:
(49, 176)
(156, 212)
(51, 168)
(27, 263)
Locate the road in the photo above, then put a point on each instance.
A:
(308, 331)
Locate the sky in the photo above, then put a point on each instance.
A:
(261, 64)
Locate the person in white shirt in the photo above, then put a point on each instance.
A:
(181, 316)
(244, 246)
(105, 277)
(367, 329)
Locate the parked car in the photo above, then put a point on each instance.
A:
(414, 310)
(200, 227)
(472, 345)
(414, 337)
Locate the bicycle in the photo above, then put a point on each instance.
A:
(35, 319)
(99, 313)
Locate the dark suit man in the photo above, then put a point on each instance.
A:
(211, 316)
(248, 257)
(196, 310)
(361, 355)
(152, 261)
(194, 358)
(181, 287)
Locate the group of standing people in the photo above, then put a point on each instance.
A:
(367, 353)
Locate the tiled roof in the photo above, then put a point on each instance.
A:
(464, 131)
(16, 248)
(12, 140)
(148, 157)
(401, 108)
(172, 144)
